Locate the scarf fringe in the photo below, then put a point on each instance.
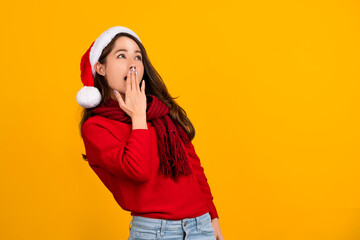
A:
(165, 158)
(180, 163)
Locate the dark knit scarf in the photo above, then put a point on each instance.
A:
(173, 159)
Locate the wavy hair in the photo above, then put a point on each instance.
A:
(154, 86)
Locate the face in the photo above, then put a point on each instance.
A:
(125, 55)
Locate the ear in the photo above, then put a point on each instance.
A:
(99, 68)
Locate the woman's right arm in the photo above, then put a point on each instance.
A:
(129, 158)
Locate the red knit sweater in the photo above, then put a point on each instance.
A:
(128, 163)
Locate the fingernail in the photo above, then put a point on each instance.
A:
(135, 72)
(114, 91)
(129, 71)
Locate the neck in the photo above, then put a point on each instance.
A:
(113, 96)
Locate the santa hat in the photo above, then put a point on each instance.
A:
(89, 96)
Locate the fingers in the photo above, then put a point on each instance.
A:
(133, 83)
(128, 82)
(119, 98)
(137, 82)
(143, 86)
(133, 87)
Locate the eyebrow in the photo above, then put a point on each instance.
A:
(121, 49)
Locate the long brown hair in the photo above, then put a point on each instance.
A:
(154, 86)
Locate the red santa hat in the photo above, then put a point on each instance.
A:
(89, 96)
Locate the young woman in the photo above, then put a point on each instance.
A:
(138, 142)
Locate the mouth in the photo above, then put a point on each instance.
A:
(125, 78)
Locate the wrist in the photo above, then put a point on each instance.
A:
(139, 122)
(138, 116)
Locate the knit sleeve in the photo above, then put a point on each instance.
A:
(199, 170)
(124, 158)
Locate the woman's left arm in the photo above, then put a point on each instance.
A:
(206, 190)
(203, 182)
(216, 225)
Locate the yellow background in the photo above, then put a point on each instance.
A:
(272, 88)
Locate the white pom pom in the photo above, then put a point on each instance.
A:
(88, 97)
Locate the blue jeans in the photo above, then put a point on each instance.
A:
(197, 228)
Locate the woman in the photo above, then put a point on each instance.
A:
(138, 142)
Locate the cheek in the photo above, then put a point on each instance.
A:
(142, 73)
(115, 76)
(115, 82)
(119, 83)
(115, 71)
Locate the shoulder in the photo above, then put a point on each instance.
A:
(105, 122)
(99, 123)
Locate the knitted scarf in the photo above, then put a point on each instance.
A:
(173, 159)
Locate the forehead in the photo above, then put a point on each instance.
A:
(126, 43)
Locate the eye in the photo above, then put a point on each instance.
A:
(124, 55)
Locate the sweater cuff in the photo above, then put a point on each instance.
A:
(139, 130)
(212, 210)
(141, 134)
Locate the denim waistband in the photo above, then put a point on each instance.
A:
(161, 223)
